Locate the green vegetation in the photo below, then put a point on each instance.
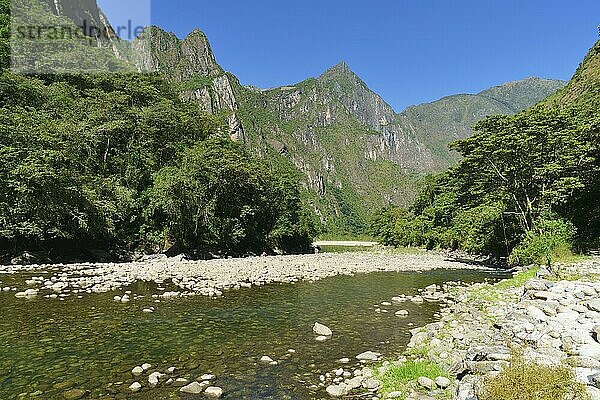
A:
(345, 249)
(485, 295)
(105, 161)
(527, 187)
(529, 381)
(403, 377)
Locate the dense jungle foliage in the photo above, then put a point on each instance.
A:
(118, 161)
(527, 187)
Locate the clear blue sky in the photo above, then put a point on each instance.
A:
(409, 51)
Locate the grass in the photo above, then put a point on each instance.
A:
(528, 381)
(517, 280)
(345, 249)
(403, 377)
(345, 237)
(492, 294)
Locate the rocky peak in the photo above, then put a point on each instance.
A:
(349, 89)
(342, 69)
(158, 51)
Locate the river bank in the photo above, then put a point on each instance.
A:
(546, 323)
(213, 277)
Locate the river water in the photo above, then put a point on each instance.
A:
(50, 346)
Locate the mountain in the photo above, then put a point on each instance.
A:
(356, 153)
(350, 149)
(453, 117)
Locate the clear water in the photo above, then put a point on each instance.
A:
(47, 346)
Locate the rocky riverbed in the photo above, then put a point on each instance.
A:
(212, 277)
(551, 319)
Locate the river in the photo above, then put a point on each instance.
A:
(92, 343)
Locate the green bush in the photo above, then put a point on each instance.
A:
(529, 381)
(550, 240)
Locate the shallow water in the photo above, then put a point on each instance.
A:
(47, 346)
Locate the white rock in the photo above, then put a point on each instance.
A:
(137, 371)
(146, 366)
(536, 313)
(135, 387)
(368, 356)
(192, 388)
(442, 382)
(213, 391)
(266, 359)
(322, 330)
(337, 390)
(154, 378)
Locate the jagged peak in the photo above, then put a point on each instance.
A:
(340, 69)
(197, 34)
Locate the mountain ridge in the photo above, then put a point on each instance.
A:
(353, 152)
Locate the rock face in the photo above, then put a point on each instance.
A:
(158, 51)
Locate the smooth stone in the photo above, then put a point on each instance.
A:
(207, 377)
(402, 313)
(135, 387)
(442, 382)
(368, 356)
(154, 378)
(146, 366)
(192, 388)
(337, 390)
(322, 338)
(322, 330)
(371, 384)
(213, 391)
(266, 359)
(426, 383)
(536, 313)
(137, 371)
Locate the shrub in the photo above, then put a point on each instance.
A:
(530, 381)
(551, 239)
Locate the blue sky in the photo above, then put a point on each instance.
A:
(409, 51)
